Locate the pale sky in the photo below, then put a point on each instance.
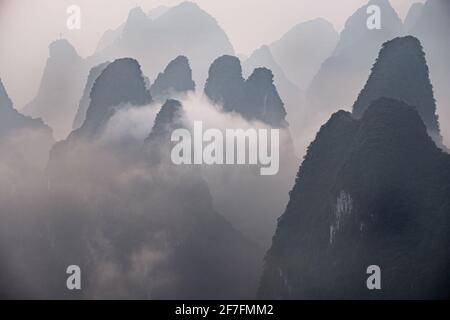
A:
(28, 26)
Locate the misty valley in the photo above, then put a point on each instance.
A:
(167, 164)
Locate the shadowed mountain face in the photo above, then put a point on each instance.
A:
(61, 88)
(120, 84)
(86, 98)
(372, 191)
(175, 80)
(401, 72)
(256, 98)
(342, 75)
(145, 223)
(432, 30)
(182, 30)
(301, 51)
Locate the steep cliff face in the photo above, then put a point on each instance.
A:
(256, 98)
(372, 191)
(176, 80)
(401, 72)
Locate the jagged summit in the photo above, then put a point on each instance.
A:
(401, 72)
(255, 98)
(369, 190)
(176, 79)
(120, 83)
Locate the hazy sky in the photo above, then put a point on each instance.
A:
(28, 26)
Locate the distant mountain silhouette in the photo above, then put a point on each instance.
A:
(182, 30)
(157, 12)
(301, 51)
(413, 16)
(256, 98)
(11, 120)
(175, 80)
(61, 88)
(401, 72)
(86, 99)
(432, 30)
(371, 191)
(342, 75)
